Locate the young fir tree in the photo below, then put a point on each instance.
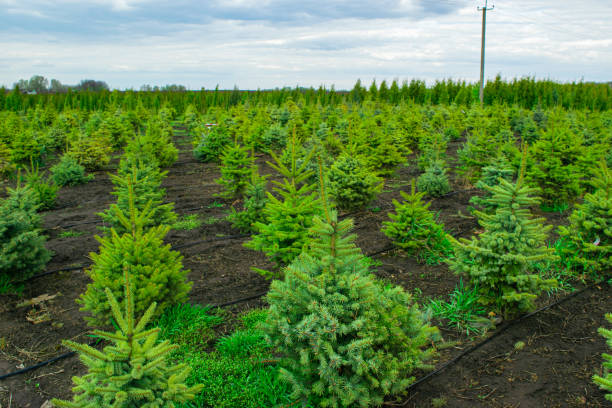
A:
(498, 260)
(605, 382)
(558, 155)
(22, 247)
(350, 183)
(284, 233)
(235, 170)
(590, 229)
(414, 229)
(434, 182)
(156, 269)
(133, 372)
(154, 147)
(346, 339)
(491, 174)
(145, 180)
(255, 200)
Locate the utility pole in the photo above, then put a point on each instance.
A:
(482, 48)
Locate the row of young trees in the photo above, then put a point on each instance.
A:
(524, 92)
(342, 353)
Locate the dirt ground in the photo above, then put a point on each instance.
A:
(562, 348)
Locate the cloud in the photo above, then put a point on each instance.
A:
(265, 44)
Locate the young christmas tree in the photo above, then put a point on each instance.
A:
(434, 182)
(498, 260)
(133, 372)
(284, 233)
(156, 269)
(22, 247)
(590, 229)
(605, 382)
(350, 183)
(145, 180)
(346, 339)
(254, 202)
(235, 170)
(558, 156)
(491, 174)
(414, 229)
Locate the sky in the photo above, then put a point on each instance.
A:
(275, 43)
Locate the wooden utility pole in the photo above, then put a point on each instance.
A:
(482, 47)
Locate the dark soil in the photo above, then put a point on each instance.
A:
(562, 348)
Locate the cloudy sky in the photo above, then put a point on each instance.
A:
(275, 43)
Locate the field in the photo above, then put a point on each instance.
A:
(542, 360)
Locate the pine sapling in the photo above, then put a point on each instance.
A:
(133, 372)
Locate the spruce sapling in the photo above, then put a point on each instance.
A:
(284, 233)
(434, 182)
(346, 339)
(590, 229)
(498, 260)
(254, 202)
(133, 372)
(605, 382)
(157, 270)
(145, 180)
(235, 170)
(414, 229)
(22, 247)
(351, 184)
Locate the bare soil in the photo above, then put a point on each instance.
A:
(562, 348)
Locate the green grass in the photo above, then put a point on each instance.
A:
(236, 370)
(557, 207)
(462, 311)
(213, 220)
(187, 222)
(215, 205)
(563, 269)
(70, 234)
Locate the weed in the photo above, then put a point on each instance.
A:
(371, 263)
(463, 310)
(212, 220)
(233, 373)
(187, 222)
(556, 207)
(215, 205)
(70, 234)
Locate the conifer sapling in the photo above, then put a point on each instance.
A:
(156, 269)
(134, 371)
(414, 229)
(347, 340)
(605, 382)
(590, 229)
(498, 260)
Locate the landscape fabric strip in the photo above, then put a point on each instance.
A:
(412, 386)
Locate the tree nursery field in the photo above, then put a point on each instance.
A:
(396, 246)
